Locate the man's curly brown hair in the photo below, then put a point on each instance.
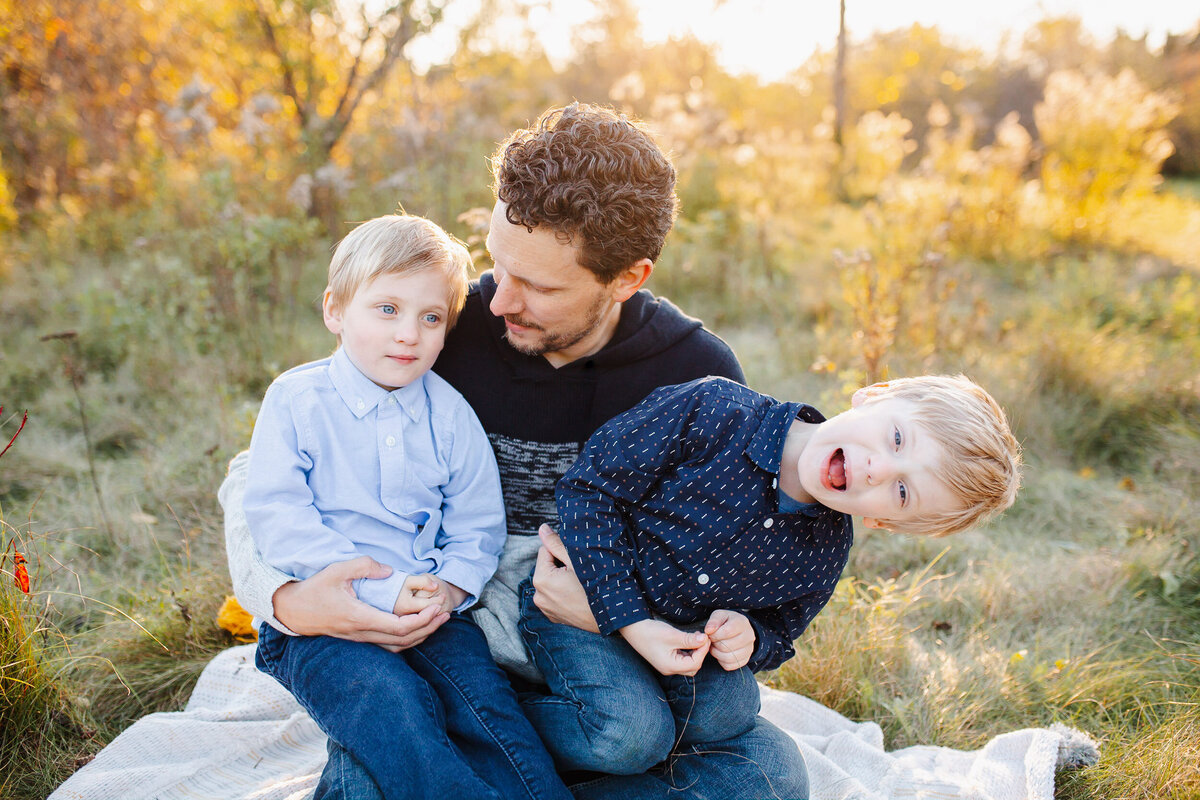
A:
(594, 177)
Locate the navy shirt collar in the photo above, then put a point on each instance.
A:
(765, 448)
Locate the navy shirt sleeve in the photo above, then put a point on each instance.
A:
(619, 465)
(775, 629)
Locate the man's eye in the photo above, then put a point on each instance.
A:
(903, 495)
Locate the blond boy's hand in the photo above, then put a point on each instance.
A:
(732, 638)
(666, 648)
(446, 593)
(418, 592)
(452, 596)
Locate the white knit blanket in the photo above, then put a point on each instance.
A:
(243, 737)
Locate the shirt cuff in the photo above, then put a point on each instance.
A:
(270, 618)
(764, 648)
(465, 577)
(382, 593)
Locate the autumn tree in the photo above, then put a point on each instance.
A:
(75, 78)
(329, 57)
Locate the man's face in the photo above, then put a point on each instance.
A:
(551, 305)
(877, 462)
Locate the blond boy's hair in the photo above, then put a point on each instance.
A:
(398, 244)
(981, 459)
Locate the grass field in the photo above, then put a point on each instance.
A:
(1078, 606)
(141, 351)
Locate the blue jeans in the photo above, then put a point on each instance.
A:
(436, 720)
(656, 736)
(760, 763)
(763, 763)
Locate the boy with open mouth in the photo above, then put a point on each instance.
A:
(713, 520)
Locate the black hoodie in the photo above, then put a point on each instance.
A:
(538, 416)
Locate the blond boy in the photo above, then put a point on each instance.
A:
(712, 520)
(369, 453)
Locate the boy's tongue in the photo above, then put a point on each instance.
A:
(837, 470)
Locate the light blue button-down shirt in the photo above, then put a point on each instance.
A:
(340, 467)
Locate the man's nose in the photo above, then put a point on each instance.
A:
(505, 300)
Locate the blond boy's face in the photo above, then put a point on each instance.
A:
(394, 326)
(877, 462)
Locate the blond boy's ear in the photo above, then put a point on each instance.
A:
(864, 394)
(871, 522)
(332, 314)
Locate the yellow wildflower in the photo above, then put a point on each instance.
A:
(235, 619)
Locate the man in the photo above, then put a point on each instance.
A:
(556, 340)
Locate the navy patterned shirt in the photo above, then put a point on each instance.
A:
(672, 511)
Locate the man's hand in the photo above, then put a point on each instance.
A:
(558, 593)
(668, 649)
(732, 638)
(325, 605)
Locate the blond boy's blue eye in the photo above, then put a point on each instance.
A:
(896, 436)
(388, 308)
(433, 319)
(903, 495)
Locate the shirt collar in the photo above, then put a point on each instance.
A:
(766, 446)
(362, 396)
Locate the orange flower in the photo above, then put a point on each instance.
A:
(20, 572)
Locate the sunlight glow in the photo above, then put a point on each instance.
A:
(770, 38)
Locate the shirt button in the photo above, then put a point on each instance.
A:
(774, 482)
(391, 400)
(360, 405)
(391, 441)
(768, 522)
(703, 579)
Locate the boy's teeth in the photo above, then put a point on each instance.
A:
(837, 470)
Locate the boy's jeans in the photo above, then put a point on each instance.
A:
(611, 712)
(436, 720)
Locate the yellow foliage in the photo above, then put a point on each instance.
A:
(1104, 140)
(875, 148)
(8, 215)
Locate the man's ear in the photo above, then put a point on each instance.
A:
(864, 394)
(871, 522)
(630, 279)
(332, 314)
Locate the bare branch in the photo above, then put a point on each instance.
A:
(289, 79)
(394, 48)
(368, 31)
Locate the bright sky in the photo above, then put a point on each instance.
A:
(772, 37)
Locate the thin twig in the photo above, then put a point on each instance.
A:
(24, 419)
(71, 362)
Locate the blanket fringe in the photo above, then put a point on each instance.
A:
(1076, 749)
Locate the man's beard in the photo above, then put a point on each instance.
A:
(556, 342)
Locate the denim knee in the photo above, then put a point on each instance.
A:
(629, 743)
(713, 705)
